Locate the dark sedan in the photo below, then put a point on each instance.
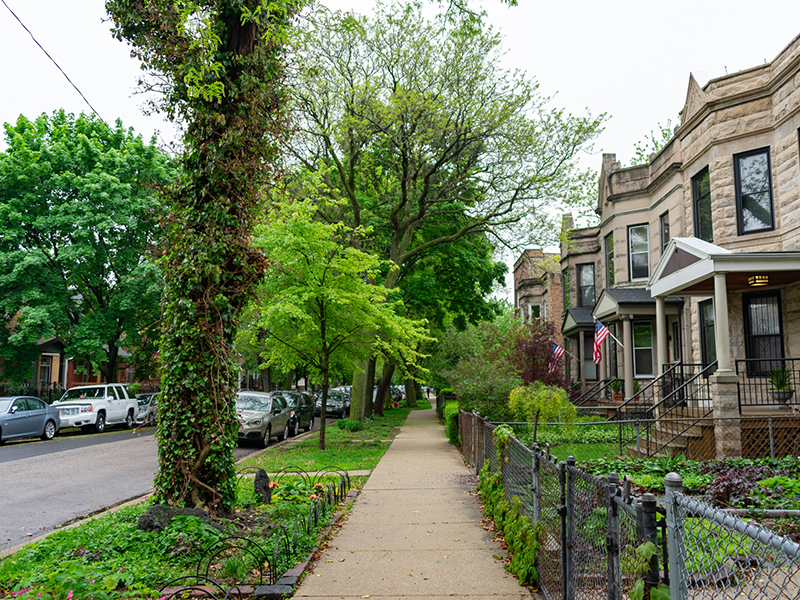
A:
(338, 404)
(26, 416)
(302, 410)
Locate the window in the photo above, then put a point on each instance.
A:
(753, 191)
(45, 369)
(664, 227)
(701, 190)
(565, 275)
(643, 349)
(535, 311)
(589, 366)
(708, 338)
(639, 251)
(763, 333)
(586, 285)
(610, 259)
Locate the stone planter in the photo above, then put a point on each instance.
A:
(781, 396)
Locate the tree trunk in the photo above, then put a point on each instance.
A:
(266, 384)
(411, 392)
(357, 392)
(383, 386)
(369, 387)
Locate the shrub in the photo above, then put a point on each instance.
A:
(349, 425)
(451, 423)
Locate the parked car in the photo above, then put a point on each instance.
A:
(92, 407)
(261, 414)
(148, 409)
(26, 416)
(302, 408)
(338, 404)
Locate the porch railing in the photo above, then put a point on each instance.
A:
(670, 408)
(599, 393)
(758, 388)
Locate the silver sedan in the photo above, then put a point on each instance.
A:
(26, 416)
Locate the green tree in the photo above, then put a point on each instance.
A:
(316, 301)
(220, 66)
(423, 127)
(79, 219)
(652, 143)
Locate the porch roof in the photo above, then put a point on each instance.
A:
(688, 266)
(577, 319)
(614, 302)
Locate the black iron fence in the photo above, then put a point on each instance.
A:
(771, 383)
(592, 531)
(49, 392)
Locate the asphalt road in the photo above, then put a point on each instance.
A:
(44, 485)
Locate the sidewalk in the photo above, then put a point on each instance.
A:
(415, 530)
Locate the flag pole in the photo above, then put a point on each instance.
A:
(612, 337)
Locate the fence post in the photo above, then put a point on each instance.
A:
(771, 439)
(650, 531)
(537, 486)
(613, 539)
(638, 435)
(475, 421)
(562, 511)
(678, 588)
(570, 527)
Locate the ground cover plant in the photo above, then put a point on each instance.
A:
(346, 447)
(109, 558)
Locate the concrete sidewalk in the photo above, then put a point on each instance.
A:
(415, 530)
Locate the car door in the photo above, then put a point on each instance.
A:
(17, 419)
(37, 411)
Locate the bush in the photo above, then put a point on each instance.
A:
(451, 423)
(349, 425)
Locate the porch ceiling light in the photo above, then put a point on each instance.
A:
(757, 280)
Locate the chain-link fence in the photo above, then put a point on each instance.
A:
(591, 531)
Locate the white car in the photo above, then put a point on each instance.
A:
(92, 407)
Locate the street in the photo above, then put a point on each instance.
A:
(44, 485)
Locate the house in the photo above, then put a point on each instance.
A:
(537, 286)
(695, 264)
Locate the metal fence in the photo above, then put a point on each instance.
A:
(590, 529)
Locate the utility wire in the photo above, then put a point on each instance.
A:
(54, 62)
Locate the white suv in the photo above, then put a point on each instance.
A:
(92, 407)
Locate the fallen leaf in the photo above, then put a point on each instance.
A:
(330, 561)
(416, 511)
(318, 575)
(341, 560)
(430, 530)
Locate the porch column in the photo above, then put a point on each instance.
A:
(627, 354)
(727, 421)
(581, 354)
(661, 335)
(721, 327)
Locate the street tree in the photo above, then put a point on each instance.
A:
(421, 126)
(316, 302)
(220, 67)
(79, 213)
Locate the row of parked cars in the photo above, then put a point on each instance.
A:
(92, 408)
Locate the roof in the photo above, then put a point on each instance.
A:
(576, 319)
(635, 296)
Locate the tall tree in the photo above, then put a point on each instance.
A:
(422, 126)
(79, 217)
(317, 303)
(220, 64)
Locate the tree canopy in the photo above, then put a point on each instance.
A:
(79, 214)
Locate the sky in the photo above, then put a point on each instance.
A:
(629, 59)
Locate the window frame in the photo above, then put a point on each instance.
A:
(705, 357)
(697, 199)
(651, 347)
(663, 227)
(579, 283)
(630, 252)
(737, 187)
(609, 241)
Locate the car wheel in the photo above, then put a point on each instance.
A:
(100, 424)
(285, 433)
(2, 441)
(129, 420)
(264, 442)
(49, 431)
(310, 423)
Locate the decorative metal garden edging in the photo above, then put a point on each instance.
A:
(263, 561)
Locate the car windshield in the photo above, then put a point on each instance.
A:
(80, 393)
(253, 403)
(4, 404)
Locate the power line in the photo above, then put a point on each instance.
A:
(54, 62)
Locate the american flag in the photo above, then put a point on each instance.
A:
(556, 352)
(601, 332)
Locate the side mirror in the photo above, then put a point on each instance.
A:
(276, 410)
(14, 409)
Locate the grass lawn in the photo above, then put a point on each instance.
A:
(350, 450)
(583, 452)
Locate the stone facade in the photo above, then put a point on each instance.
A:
(537, 288)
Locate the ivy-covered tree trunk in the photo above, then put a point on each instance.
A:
(222, 64)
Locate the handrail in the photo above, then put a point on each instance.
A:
(593, 392)
(627, 401)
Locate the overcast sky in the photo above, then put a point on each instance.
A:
(630, 59)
